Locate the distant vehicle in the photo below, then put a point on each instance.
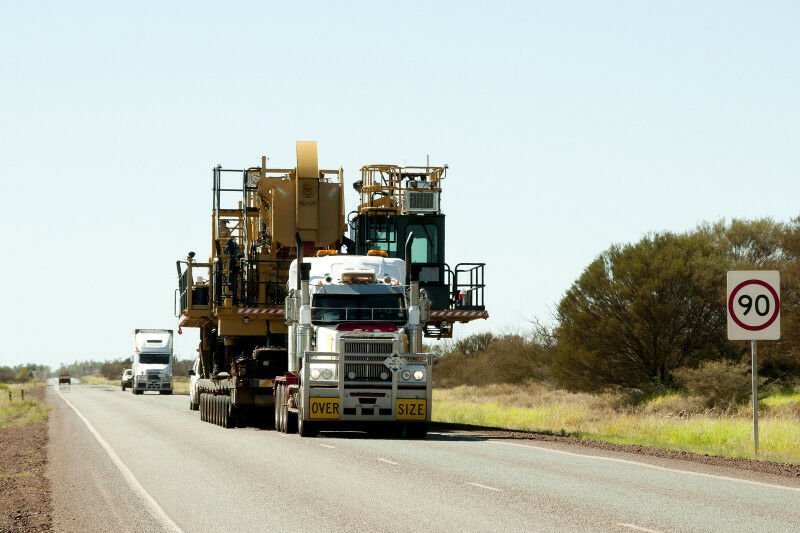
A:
(194, 392)
(63, 377)
(127, 378)
(152, 361)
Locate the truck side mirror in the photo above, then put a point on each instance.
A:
(191, 372)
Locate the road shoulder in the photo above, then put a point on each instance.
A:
(88, 491)
(25, 503)
(746, 468)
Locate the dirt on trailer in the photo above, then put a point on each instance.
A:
(25, 503)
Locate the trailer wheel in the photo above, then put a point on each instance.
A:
(227, 414)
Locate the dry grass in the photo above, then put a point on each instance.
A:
(18, 412)
(672, 421)
(98, 380)
(180, 384)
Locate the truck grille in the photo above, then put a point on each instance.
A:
(151, 376)
(377, 348)
(366, 372)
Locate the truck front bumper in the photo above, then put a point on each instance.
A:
(353, 401)
(153, 385)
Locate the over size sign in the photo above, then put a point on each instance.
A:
(754, 305)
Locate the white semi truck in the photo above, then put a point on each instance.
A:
(355, 340)
(152, 361)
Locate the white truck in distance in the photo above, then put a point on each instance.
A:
(152, 361)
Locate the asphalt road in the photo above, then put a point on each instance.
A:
(150, 464)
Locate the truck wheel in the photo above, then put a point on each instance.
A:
(165, 391)
(277, 408)
(282, 400)
(417, 431)
(305, 428)
(290, 420)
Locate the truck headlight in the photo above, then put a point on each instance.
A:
(406, 375)
(419, 375)
(322, 371)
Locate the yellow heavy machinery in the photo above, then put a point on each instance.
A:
(237, 298)
(397, 202)
(288, 320)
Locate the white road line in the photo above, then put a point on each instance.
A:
(155, 509)
(654, 467)
(324, 445)
(638, 528)
(487, 487)
(387, 461)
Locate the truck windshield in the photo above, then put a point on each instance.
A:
(154, 358)
(329, 308)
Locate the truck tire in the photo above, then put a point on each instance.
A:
(290, 420)
(417, 430)
(305, 428)
(165, 391)
(277, 407)
(136, 391)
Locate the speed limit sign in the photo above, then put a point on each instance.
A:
(754, 305)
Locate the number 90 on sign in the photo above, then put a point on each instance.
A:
(753, 305)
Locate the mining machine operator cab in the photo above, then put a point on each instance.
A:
(400, 201)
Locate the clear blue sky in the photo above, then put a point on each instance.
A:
(567, 127)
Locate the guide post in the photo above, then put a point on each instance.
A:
(754, 311)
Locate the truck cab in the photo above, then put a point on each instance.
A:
(354, 347)
(151, 361)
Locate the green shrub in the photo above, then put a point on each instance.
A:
(3, 385)
(719, 383)
(487, 359)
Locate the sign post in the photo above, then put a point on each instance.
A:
(754, 313)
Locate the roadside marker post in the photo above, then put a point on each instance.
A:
(754, 313)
